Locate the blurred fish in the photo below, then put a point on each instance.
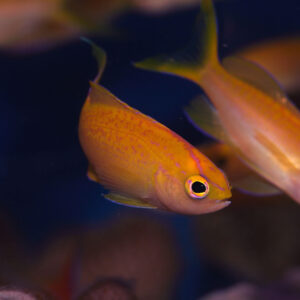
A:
(249, 112)
(280, 57)
(143, 163)
(29, 24)
(35, 25)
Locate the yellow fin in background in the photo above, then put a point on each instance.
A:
(91, 174)
(191, 62)
(203, 116)
(123, 200)
(256, 185)
(258, 77)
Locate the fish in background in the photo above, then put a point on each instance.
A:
(280, 57)
(246, 108)
(143, 163)
(287, 288)
(36, 25)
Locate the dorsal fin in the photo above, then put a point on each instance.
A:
(99, 94)
(100, 56)
(258, 77)
(203, 116)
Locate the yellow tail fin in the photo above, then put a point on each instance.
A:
(192, 61)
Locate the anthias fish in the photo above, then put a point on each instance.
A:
(248, 111)
(142, 162)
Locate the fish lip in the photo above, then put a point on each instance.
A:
(224, 201)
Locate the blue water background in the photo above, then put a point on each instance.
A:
(42, 178)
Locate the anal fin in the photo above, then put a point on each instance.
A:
(123, 200)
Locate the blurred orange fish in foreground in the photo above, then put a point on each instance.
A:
(142, 162)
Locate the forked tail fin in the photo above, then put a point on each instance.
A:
(192, 62)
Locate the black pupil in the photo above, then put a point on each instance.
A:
(198, 187)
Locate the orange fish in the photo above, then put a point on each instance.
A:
(142, 162)
(249, 112)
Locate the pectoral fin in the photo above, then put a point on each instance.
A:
(256, 185)
(123, 200)
(91, 174)
(203, 116)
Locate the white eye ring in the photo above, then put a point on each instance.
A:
(196, 187)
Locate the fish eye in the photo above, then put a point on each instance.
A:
(197, 187)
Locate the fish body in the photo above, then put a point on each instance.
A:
(255, 117)
(142, 162)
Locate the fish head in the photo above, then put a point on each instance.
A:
(198, 188)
